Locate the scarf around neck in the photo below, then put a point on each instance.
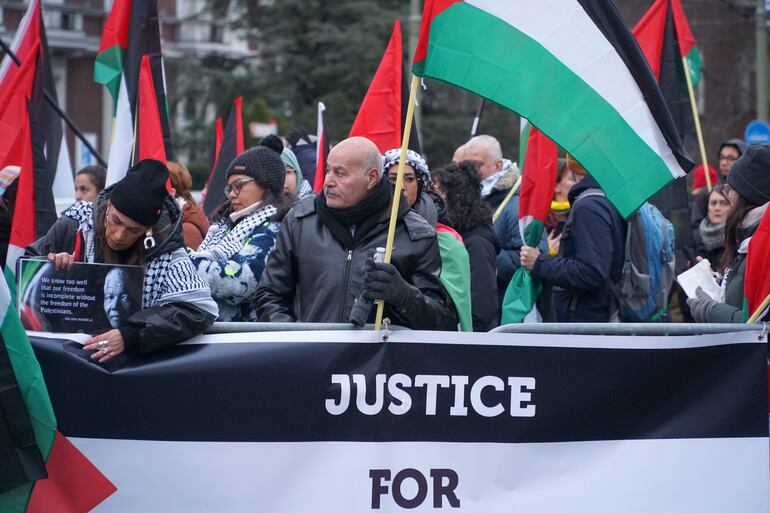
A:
(712, 235)
(363, 216)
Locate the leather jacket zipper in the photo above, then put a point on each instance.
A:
(345, 287)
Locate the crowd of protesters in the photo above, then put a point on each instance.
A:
(277, 252)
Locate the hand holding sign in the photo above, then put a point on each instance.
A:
(62, 260)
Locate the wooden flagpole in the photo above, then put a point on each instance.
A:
(759, 310)
(507, 198)
(696, 118)
(399, 184)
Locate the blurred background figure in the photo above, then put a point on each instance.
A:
(194, 222)
(89, 182)
(710, 237)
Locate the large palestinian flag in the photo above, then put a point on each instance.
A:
(575, 71)
(130, 65)
(31, 135)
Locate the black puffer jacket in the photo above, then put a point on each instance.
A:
(483, 246)
(590, 258)
(184, 308)
(310, 277)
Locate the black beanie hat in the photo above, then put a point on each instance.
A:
(141, 193)
(262, 163)
(750, 175)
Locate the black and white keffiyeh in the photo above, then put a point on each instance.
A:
(221, 242)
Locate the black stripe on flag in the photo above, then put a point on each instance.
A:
(608, 20)
(269, 392)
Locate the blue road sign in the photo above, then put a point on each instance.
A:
(758, 131)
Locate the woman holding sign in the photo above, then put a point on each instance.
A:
(136, 222)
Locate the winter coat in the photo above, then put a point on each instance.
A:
(306, 156)
(176, 303)
(732, 309)
(590, 260)
(483, 246)
(194, 225)
(232, 261)
(311, 277)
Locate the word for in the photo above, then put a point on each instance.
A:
(400, 388)
(441, 489)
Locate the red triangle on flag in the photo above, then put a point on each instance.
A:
(150, 131)
(74, 484)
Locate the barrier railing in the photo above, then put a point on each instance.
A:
(629, 329)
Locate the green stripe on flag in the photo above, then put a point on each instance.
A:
(479, 52)
(695, 61)
(108, 69)
(456, 276)
(523, 290)
(33, 390)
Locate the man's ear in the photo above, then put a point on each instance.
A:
(373, 179)
(499, 165)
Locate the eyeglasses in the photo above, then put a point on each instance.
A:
(236, 186)
(728, 158)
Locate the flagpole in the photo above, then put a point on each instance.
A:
(507, 199)
(696, 118)
(477, 119)
(759, 310)
(57, 109)
(397, 190)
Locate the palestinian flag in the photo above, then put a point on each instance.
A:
(130, 65)
(31, 135)
(456, 273)
(665, 37)
(573, 69)
(539, 162)
(33, 449)
(383, 111)
(322, 150)
(227, 145)
(756, 285)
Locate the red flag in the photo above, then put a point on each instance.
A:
(229, 145)
(322, 150)
(538, 178)
(756, 286)
(149, 130)
(379, 117)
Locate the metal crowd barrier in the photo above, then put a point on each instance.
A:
(629, 329)
(251, 327)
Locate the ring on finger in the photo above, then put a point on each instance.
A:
(104, 350)
(102, 344)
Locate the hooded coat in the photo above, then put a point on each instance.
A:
(177, 304)
(590, 261)
(483, 246)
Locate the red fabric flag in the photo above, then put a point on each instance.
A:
(228, 145)
(538, 178)
(149, 129)
(379, 117)
(756, 286)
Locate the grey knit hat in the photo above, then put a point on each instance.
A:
(750, 175)
(262, 163)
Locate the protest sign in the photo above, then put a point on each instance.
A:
(90, 298)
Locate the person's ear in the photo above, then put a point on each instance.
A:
(373, 179)
(499, 165)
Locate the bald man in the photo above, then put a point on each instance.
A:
(322, 264)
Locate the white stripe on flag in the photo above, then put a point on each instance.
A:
(20, 31)
(122, 138)
(64, 181)
(564, 29)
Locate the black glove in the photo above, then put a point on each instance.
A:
(297, 137)
(383, 281)
(701, 305)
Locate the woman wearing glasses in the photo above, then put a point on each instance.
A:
(233, 254)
